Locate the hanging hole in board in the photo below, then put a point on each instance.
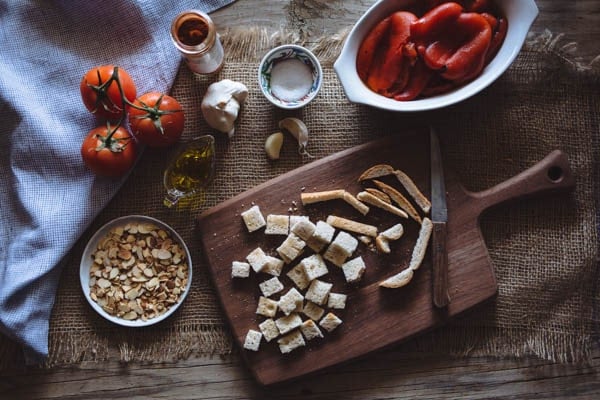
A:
(555, 174)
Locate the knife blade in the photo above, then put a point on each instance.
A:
(439, 217)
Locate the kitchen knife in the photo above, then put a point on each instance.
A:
(439, 217)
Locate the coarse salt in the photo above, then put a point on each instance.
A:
(291, 79)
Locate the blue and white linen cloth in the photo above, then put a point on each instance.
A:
(47, 196)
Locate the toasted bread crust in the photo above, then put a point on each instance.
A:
(376, 171)
(375, 201)
(399, 199)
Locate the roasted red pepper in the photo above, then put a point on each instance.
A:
(391, 72)
(405, 57)
(469, 57)
(498, 35)
(435, 22)
(370, 46)
(419, 78)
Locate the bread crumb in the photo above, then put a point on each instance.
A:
(314, 267)
(310, 330)
(253, 218)
(318, 291)
(266, 307)
(337, 301)
(252, 341)
(291, 301)
(288, 323)
(269, 329)
(257, 259)
(240, 269)
(291, 342)
(354, 269)
(298, 276)
(313, 311)
(271, 286)
(330, 322)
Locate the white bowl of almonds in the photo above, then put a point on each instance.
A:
(135, 271)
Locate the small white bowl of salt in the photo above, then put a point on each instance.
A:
(290, 76)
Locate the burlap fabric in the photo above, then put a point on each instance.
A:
(543, 250)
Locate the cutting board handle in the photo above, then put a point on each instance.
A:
(552, 174)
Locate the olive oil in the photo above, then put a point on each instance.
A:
(191, 171)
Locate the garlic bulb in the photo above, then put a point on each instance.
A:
(221, 104)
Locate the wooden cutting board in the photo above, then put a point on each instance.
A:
(374, 318)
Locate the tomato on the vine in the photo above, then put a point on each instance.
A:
(109, 151)
(103, 90)
(156, 119)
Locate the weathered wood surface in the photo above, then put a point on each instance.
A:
(389, 375)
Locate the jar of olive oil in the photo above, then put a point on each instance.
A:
(190, 171)
(195, 36)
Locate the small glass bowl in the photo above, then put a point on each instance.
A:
(285, 52)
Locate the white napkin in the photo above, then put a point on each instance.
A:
(47, 197)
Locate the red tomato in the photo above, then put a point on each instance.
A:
(100, 91)
(109, 154)
(156, 119)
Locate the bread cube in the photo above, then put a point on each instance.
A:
(269, 329)
(341, 248)
(318, 291)
(288, 323)
(277, 224)
(313, 311)
(291, 248)
(310, 330)
(337, 301)
(330, 322)
(253, 219)
(240, 269)
(291, 342)
(298, 276)
(291, 301)
(257, 259)
(354, 269)
(294, 219)
(270, 286)
(303, 228)
(321, 237)
(266, 307)
(314, 266)
(252, 341)
(274, 266)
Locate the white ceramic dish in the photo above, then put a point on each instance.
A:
(286, 52)
(87, 261)
(519, 13)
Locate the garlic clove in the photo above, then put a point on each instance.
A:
(273, 145)
(298, 130)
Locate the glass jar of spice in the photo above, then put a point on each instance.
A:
(195, 36)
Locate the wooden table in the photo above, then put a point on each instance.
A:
(390, 375)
